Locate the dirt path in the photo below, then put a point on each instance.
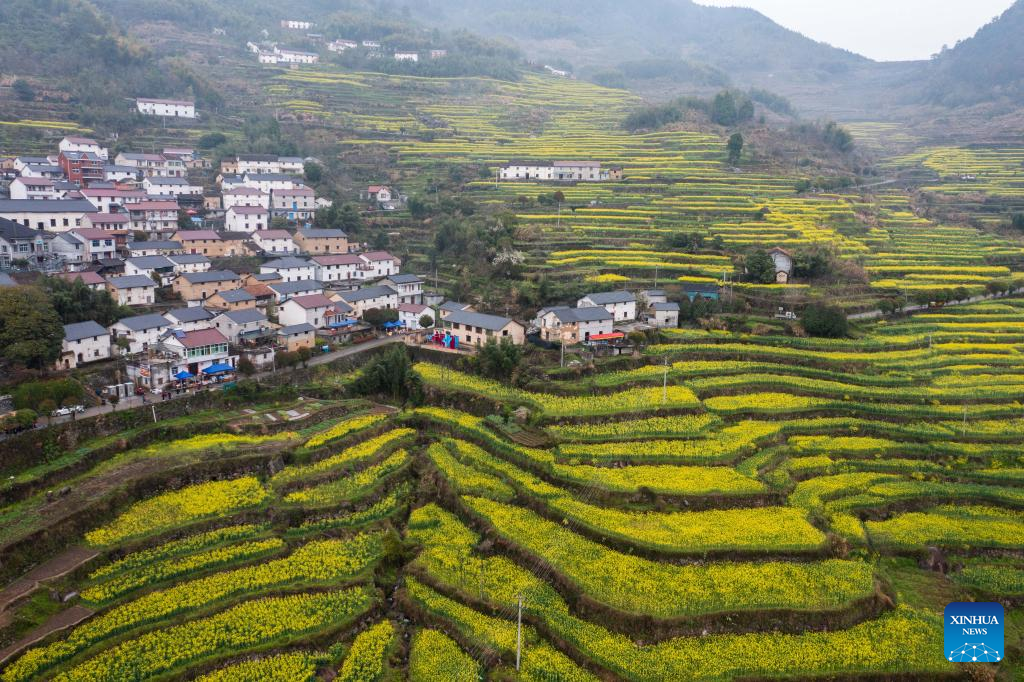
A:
(57, 567)
(62, 621)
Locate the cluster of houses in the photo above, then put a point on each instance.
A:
(272, 53)
(558, 171)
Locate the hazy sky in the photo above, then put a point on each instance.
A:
(880, 29)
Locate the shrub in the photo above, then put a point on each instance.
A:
(823, 320)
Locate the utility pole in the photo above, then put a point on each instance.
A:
(563, 353)
(656, 276)
(519, 632)
(558, 224)
(496, 173)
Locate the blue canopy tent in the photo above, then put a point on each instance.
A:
(393, 325)
(341, 323)
(218, 368)
(182, 375)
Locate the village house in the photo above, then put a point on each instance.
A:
(81, 168)
(297, 24)
(261, 278)
(21, 163)
(342, 45)
(311, 309)
(361, 300)
(132, 289)
(154, 217)
(175, 108)
(73, 143)
(555, 171)
(83, 342)
(18, 242)
(651, 296)
(409, 315)
(246, 218)
(438, 54)
(176, 187)
(407, 57)
(83, 246)
(338, 267)
(206, 242)
(476, 329)
(189, 262)
(140, 332)
(91, 280)
(290, 269)
(709, 291)
(275, 243)
(120, 174)
(154, 247)
(378, 264)
(152, 267)
(377, 193)
(296, 204)
(242, 324)
(58, 215)
(315, 242)
(409, 287)
(268, 182)
(783, 264)
(262, 163)
(297, 336)
(201, 353)
(191, 318)
(22, 188)
(285, 290)
(286, 56)
(113, 200)
(621, 304)
(199, 286)
(49, 170)
(562, 324)
(117, 223)
(245, 196)
(231, 299)
(665, 314)
(237, 244)
(449, 307)
(151, 165)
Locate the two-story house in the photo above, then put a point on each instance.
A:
(476, 329)
(132, 289)
(290, 269)
(562, 324)
(621, 304)
(409, 287)
(361, 300)
(191, 318)
(141, 332)
(318, 242)
(83, 342)
(246, 219)
(275, 242)
(199, 286)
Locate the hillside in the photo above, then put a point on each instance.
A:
(986, 66)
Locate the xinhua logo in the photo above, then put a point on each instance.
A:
(974, 632)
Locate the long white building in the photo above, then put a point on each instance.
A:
(175, 108)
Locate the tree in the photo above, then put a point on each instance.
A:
(378, 316)
(760, 267)
(30, 329)
(498, 360)
(47, 407)
(245, 367)
(825, 320)
(313, 171)
(23, 90)
(1018, 221)
(184, 221)
(390, 374)
(838, 137)
(426, 321)
(735, 148)
(75, 302)
(211, 140)
(723, 109)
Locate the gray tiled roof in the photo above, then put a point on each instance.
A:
(83, 330)
(195, 313)
(608, 297)
(140, 323)
(245, 315)
(296, 329)
(482, 320)
(130, 281)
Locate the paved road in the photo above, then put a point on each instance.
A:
(873, 314)
(150, 399)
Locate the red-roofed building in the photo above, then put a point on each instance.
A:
(200, 356)
(311, 309)
(92, 280)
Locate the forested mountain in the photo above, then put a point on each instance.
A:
(989, 65)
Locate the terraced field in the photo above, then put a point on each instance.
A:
(762, 516)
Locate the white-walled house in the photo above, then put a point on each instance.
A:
(236, 324)
(246, 219)
(562, 324)
(132, 289)
(244, 196)
(22, 187)
(190, 318)
(161, 266)
(409, 287)
(285, 290)
(557, 171)
(83, 342)
(285, 56)
(268, 182)
(311, 309)
(276, 242)
(379, 264)
(407, 57)
(342, 267)
(141, 331)
(177, 187)
(73, 143)
(176, 108)
(290, 268)
(84, 245)
(621, 304)
(364, 299)
(189, 263)
(295, 204)
(665, 314)
(58, 215)
(409, 315)
(783, 264)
